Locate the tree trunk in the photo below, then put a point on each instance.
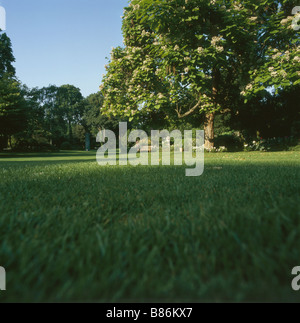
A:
(209, 131)
(210, 116)
(87, 142)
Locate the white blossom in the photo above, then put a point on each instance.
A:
(296, 59)
(136, 7)
(145, 33)
(274, 74)
(158, 71)
(283, 73)
(253, 18)
(200, 50)
(215, 40)
(275, 56)
(237, 7)
(285, 21)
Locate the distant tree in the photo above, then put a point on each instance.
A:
(54, 113)
(6, 56)
(69, 101)
(93, 118)
(13, 112)
(46, 120)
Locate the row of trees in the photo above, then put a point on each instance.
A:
(58, 117)
(197, 59)
(48, 117)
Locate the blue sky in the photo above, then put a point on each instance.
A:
(63, 41)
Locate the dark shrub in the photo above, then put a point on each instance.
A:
(33, 146)
(66, 146)
(230, 140)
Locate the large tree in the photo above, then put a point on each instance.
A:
(189, 56)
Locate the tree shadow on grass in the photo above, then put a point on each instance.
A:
(48, 154)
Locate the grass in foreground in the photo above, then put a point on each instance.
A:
(74, 231)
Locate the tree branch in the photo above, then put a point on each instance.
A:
(180, 116)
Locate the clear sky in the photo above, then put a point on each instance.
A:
(63, 41)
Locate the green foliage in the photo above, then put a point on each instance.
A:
(79, 135)
(93, 118)
(6, 56)
(269, 116)
(70, 102)
(13, 114)
(33, 145)
(280, 50)
(54, 113)
(179, 56)
(229, 140)
(66, 145)
(272, 144)
(199, 57)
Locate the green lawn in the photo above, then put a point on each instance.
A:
(74, 231)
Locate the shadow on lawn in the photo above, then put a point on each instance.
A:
(44, 162)
(48, 154)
